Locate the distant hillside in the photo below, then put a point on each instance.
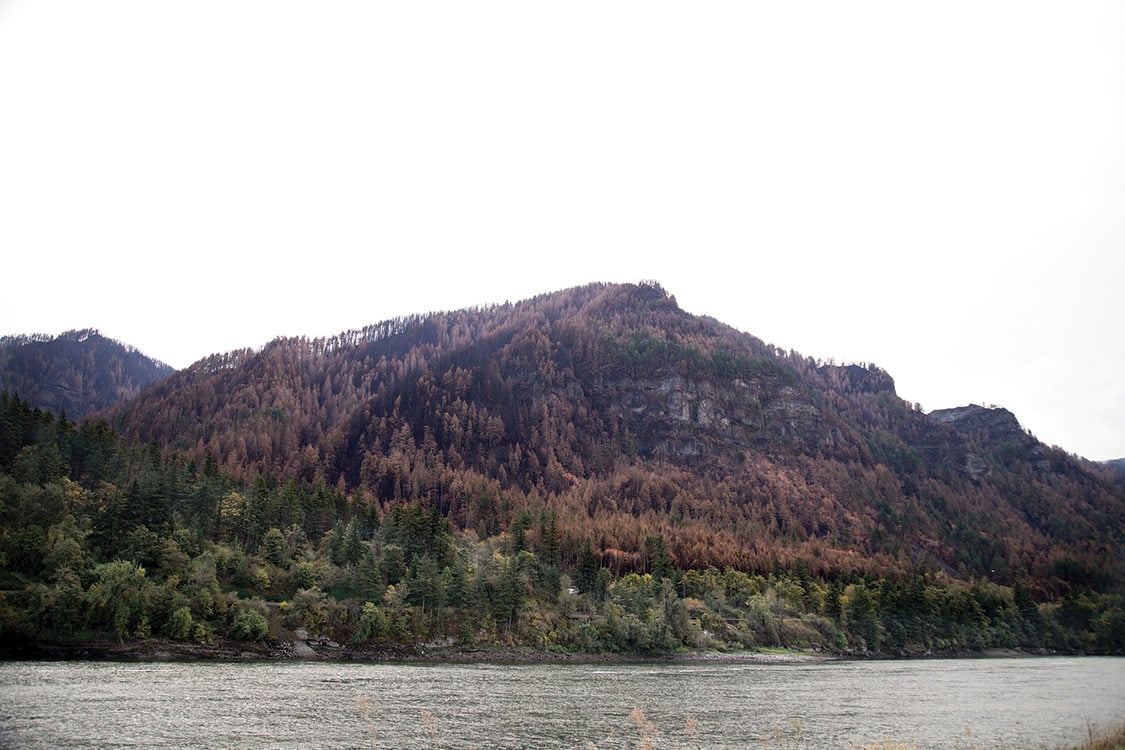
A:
(1116, 468)
(629, 417)
(77, 372)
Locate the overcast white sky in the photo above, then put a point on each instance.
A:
(938, 188)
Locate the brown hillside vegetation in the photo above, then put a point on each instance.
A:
(628, 418)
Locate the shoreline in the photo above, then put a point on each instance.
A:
(286, 651)
(156, 650)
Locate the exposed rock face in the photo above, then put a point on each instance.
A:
(995, 425)
(683, 417)
(975, 466)
(995, 431)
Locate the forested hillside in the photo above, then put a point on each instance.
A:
(590, 470)
(100, 538)
(628, 417)
(76, 373)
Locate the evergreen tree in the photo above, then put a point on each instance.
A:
(586, 572)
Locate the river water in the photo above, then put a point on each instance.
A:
(958, 703)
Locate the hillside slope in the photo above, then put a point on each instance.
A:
(77, 372)
(629, 417)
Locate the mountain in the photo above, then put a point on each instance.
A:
(76, 373)
(628, 417)
(592, 470)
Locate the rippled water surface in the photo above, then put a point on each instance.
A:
(1027, 702)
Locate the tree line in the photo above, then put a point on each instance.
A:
(102, 537)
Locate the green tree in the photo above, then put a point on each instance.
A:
(180, 624)
(296, 541)
(66, 548)
(587, 571)
(517, 531)
(306, 575)
(400, 625)
(369, 576)
(58, 608)
(144, 547)
(506, 600)
(372, 624)
(425, 583)
(861, 615)
(308, 609)
(38, 464)
(274, 548)
(352, 546)
(261, 580)
(119, 595)
(658, 560)
(550, 543)
(23, 549)
(173, 560)
(393, 564)
(602, 582)
(249, 625)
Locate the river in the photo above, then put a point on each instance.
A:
(956, 703)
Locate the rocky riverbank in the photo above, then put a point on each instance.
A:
(222, 649)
